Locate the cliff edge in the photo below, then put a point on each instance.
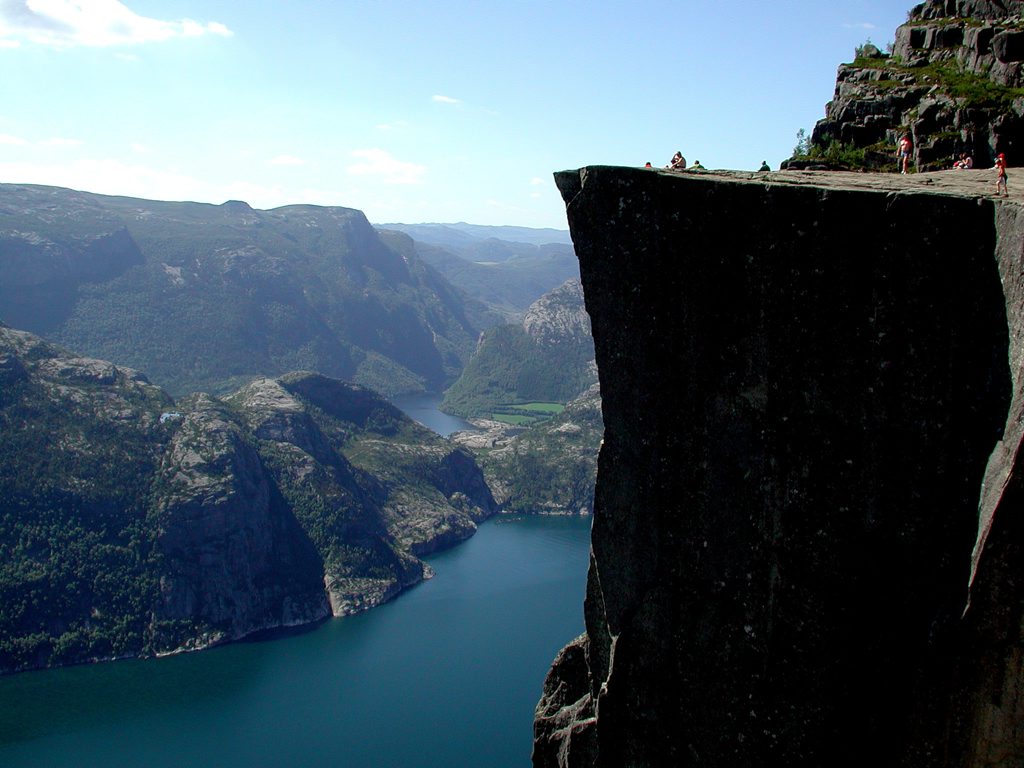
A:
(807, 517)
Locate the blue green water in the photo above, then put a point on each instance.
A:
(446, 675)
(423, 407)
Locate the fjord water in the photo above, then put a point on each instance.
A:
(446, 675)
(423, 407)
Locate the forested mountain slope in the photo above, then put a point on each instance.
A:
(135, 525)
(206, 296)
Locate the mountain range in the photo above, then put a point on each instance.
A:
(507, 268)
(208, 296)
(246, 487)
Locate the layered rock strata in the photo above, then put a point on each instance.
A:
(811, 385)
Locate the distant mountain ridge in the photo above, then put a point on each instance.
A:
(205, 296)
(507, 268)
(548, 356)
(462, 234)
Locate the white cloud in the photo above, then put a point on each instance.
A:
(390, 170)
(67, 23)
(106, 176)
(286, 160)
(860, 25)
(61, 142)
(113, 177)
(537, 181)
(140, 148)
(445, 99)
(57, 141)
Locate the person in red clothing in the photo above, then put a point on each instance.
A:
(903, 152)
(1001, 175)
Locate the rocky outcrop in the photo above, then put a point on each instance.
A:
(953, 82)
(787, 564)
(547, 357)
(233, 559)
(133, 525)
(558, 316)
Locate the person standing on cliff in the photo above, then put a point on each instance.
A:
(903, 152)
(1001, 175)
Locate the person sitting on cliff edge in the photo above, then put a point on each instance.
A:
(966, 162)
(678, 162)
(764, 166)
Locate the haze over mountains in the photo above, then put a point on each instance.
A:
(204, 297)
(507, 268)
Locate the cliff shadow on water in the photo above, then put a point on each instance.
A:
(803, 386)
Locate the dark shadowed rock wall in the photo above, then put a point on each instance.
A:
(802, 389)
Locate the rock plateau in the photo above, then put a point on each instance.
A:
(807, 520)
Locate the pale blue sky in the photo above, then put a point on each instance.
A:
(411, 111)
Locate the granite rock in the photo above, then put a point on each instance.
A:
(787, 564)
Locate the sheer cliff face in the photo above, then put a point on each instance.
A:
(803, 387)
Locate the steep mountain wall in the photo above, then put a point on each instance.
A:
(133, 525)
(807, 381)
(549, 357)
(954, 83)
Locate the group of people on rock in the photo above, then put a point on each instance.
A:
(963, 163)
(678, 163)
(904, 150)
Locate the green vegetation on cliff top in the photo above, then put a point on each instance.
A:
(204, 297)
